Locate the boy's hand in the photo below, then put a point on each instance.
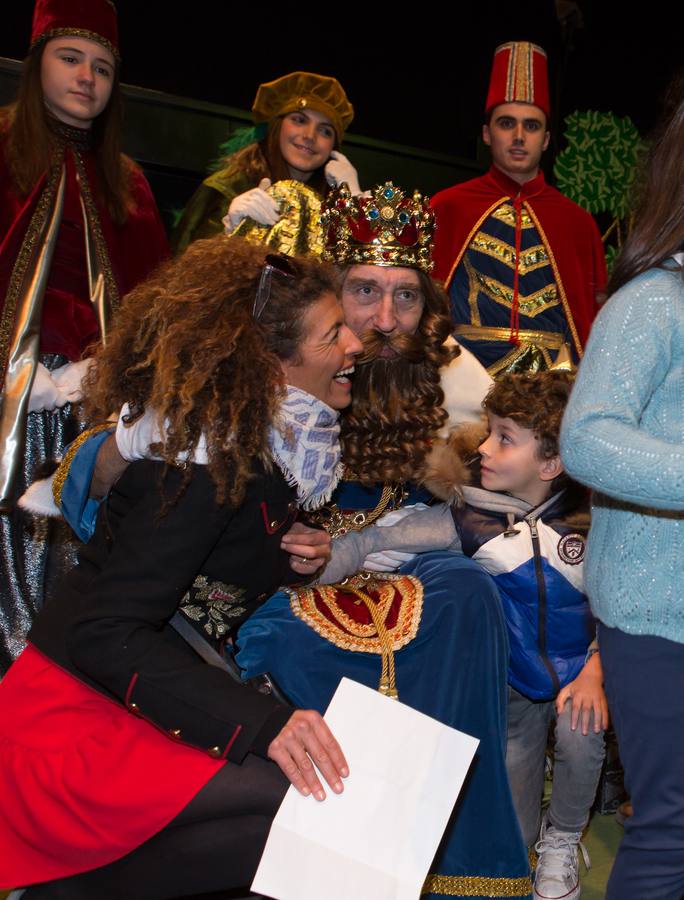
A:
(586, 695)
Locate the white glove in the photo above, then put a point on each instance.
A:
(430, 529)
(389, 560)
(255, 204)
(68, 380)
(338, 169)
(133, 441)
(396, 515)
(44, 395)
(386, 560)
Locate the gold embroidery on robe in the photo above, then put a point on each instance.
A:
(506, 214)
(529, 304)
(476, 886)
(336, 614)
(531, 259)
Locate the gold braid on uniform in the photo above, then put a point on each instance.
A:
(62, 472)
(337, 521)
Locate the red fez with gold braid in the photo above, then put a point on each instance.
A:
(519, 75)
(91, 19)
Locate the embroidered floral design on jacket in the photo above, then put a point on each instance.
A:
(213, 604)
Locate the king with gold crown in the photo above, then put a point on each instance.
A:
(424, 626)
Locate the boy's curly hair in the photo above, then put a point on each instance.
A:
(533, 400)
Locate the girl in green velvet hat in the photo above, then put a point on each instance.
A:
(300, 120)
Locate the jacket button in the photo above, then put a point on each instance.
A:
(274, 524)
(215, 752)
(175, 732)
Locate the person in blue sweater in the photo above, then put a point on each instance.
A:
(623, 436)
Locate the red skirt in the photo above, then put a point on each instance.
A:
(82, 781)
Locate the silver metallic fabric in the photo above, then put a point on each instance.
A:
(34, 551)
(23, 351)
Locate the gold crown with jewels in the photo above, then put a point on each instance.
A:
(388, 228)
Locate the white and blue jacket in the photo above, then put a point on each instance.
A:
(535, 556)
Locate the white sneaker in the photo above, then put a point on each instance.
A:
(557, 873)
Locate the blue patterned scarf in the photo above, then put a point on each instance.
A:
(305, 444)
(304, 441)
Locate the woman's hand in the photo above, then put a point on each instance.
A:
(306, 740)
(309, 548)
(255, 204)
(586, 695)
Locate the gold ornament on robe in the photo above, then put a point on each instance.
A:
(298, 232)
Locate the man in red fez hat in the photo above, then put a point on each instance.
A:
(522, 264)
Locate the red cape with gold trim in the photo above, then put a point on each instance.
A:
(134, 248)
(569, 233)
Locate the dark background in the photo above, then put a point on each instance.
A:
(416, 77)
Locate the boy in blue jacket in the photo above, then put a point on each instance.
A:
(525, 525)
(525, 522)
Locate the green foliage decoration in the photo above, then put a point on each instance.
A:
(241, 137)
(598, 166)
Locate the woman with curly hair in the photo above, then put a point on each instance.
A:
(131, 767)
(300, 123)
(78, 229)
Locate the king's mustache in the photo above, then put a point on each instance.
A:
(407, 347)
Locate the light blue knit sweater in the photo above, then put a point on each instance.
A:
(623, 436)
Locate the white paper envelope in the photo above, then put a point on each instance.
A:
(377, 839)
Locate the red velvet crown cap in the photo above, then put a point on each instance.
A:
(519, 75)
(365, 231)
(388, 228)
(91, 19)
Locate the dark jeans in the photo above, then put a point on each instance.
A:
(214, 844)
(644, 678)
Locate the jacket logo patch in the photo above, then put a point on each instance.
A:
(571, 549)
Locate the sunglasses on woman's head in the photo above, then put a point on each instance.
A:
(274, 263)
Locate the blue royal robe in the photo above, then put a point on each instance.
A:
(454, 670)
